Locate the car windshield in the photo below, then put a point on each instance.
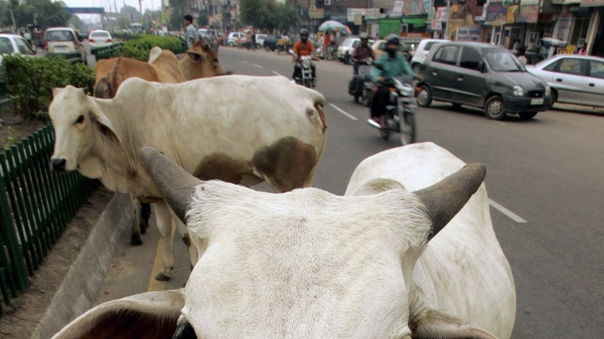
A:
(501, 60)
(59, 36)
(5, 46)
(99, 35)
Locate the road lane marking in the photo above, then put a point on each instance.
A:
(343, 112)
(277, 73)
(515, 217)
(258, 66)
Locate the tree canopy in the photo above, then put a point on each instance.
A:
(268, 14)
(45, 12)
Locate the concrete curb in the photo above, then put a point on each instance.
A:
(80, 287)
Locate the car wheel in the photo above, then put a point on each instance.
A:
(527, 115)
(493, 108)
(424, 96)
(554, 99)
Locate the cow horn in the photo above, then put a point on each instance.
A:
(175, 184)
(445, 198)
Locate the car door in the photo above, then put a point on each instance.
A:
(470, 84)
(594, 92)
(442, 71)
(567, 76)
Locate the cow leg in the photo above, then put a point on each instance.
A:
(184, 234)
(145, 215)
(166, 228)
(135, 233)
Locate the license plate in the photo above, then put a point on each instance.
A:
(61, 49)
(538, 101)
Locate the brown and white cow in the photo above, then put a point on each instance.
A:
(200, 61)
(272, 131)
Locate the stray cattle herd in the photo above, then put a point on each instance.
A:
(302, 263)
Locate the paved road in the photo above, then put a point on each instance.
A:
(545, 180)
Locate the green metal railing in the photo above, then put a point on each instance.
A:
(35, 206)
(107, 51)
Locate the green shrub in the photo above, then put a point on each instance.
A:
(139, 48)
(30, 81)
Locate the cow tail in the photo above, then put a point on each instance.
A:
(102, 89)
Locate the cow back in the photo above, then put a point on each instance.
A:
(110, 73)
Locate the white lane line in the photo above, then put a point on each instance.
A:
(507, 212)
(258, 66)
(277, 73)
(343, 112)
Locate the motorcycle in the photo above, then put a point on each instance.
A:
(400, 116)
(361, 83)
(305, 63)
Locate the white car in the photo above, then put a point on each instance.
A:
(14, 44)
(260, 40)
(421, 51)
(66, 41)
(574, 79)
(346, 48)
(235, 38)
(99, 38)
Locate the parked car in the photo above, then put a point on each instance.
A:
(66, 41)
(99, 38)
(236, 38)
(270, 42)
(14, 44)
(481, 75)
(260, 40)
(574, 79)
(421, 51)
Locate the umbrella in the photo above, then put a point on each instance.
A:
(332, 25)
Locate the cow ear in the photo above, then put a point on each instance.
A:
(145, 315)
(104, 124)
(55, 91)
(436, 324)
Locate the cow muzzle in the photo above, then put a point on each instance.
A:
(58, 164)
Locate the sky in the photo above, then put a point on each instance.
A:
(147, 4)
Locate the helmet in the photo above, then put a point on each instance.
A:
(364, 36)
(304, 31)
(392, 39)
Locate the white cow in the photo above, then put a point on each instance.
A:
(240, 129)
(309, 264)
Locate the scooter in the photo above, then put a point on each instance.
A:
(361, 82)
(305, 63)
(400, 116)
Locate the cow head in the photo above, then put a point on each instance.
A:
(75, 118)
(200, 62)
(305, 263)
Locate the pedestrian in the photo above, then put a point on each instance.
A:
(521, 57)
(583, 49)
(191, 32)
(326, 37)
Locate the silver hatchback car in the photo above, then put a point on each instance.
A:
(574, 79)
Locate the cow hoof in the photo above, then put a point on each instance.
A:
(162, 277)
(135, 240)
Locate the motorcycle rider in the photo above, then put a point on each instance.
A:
(390, 64)
(301, 48)
(360, 54)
